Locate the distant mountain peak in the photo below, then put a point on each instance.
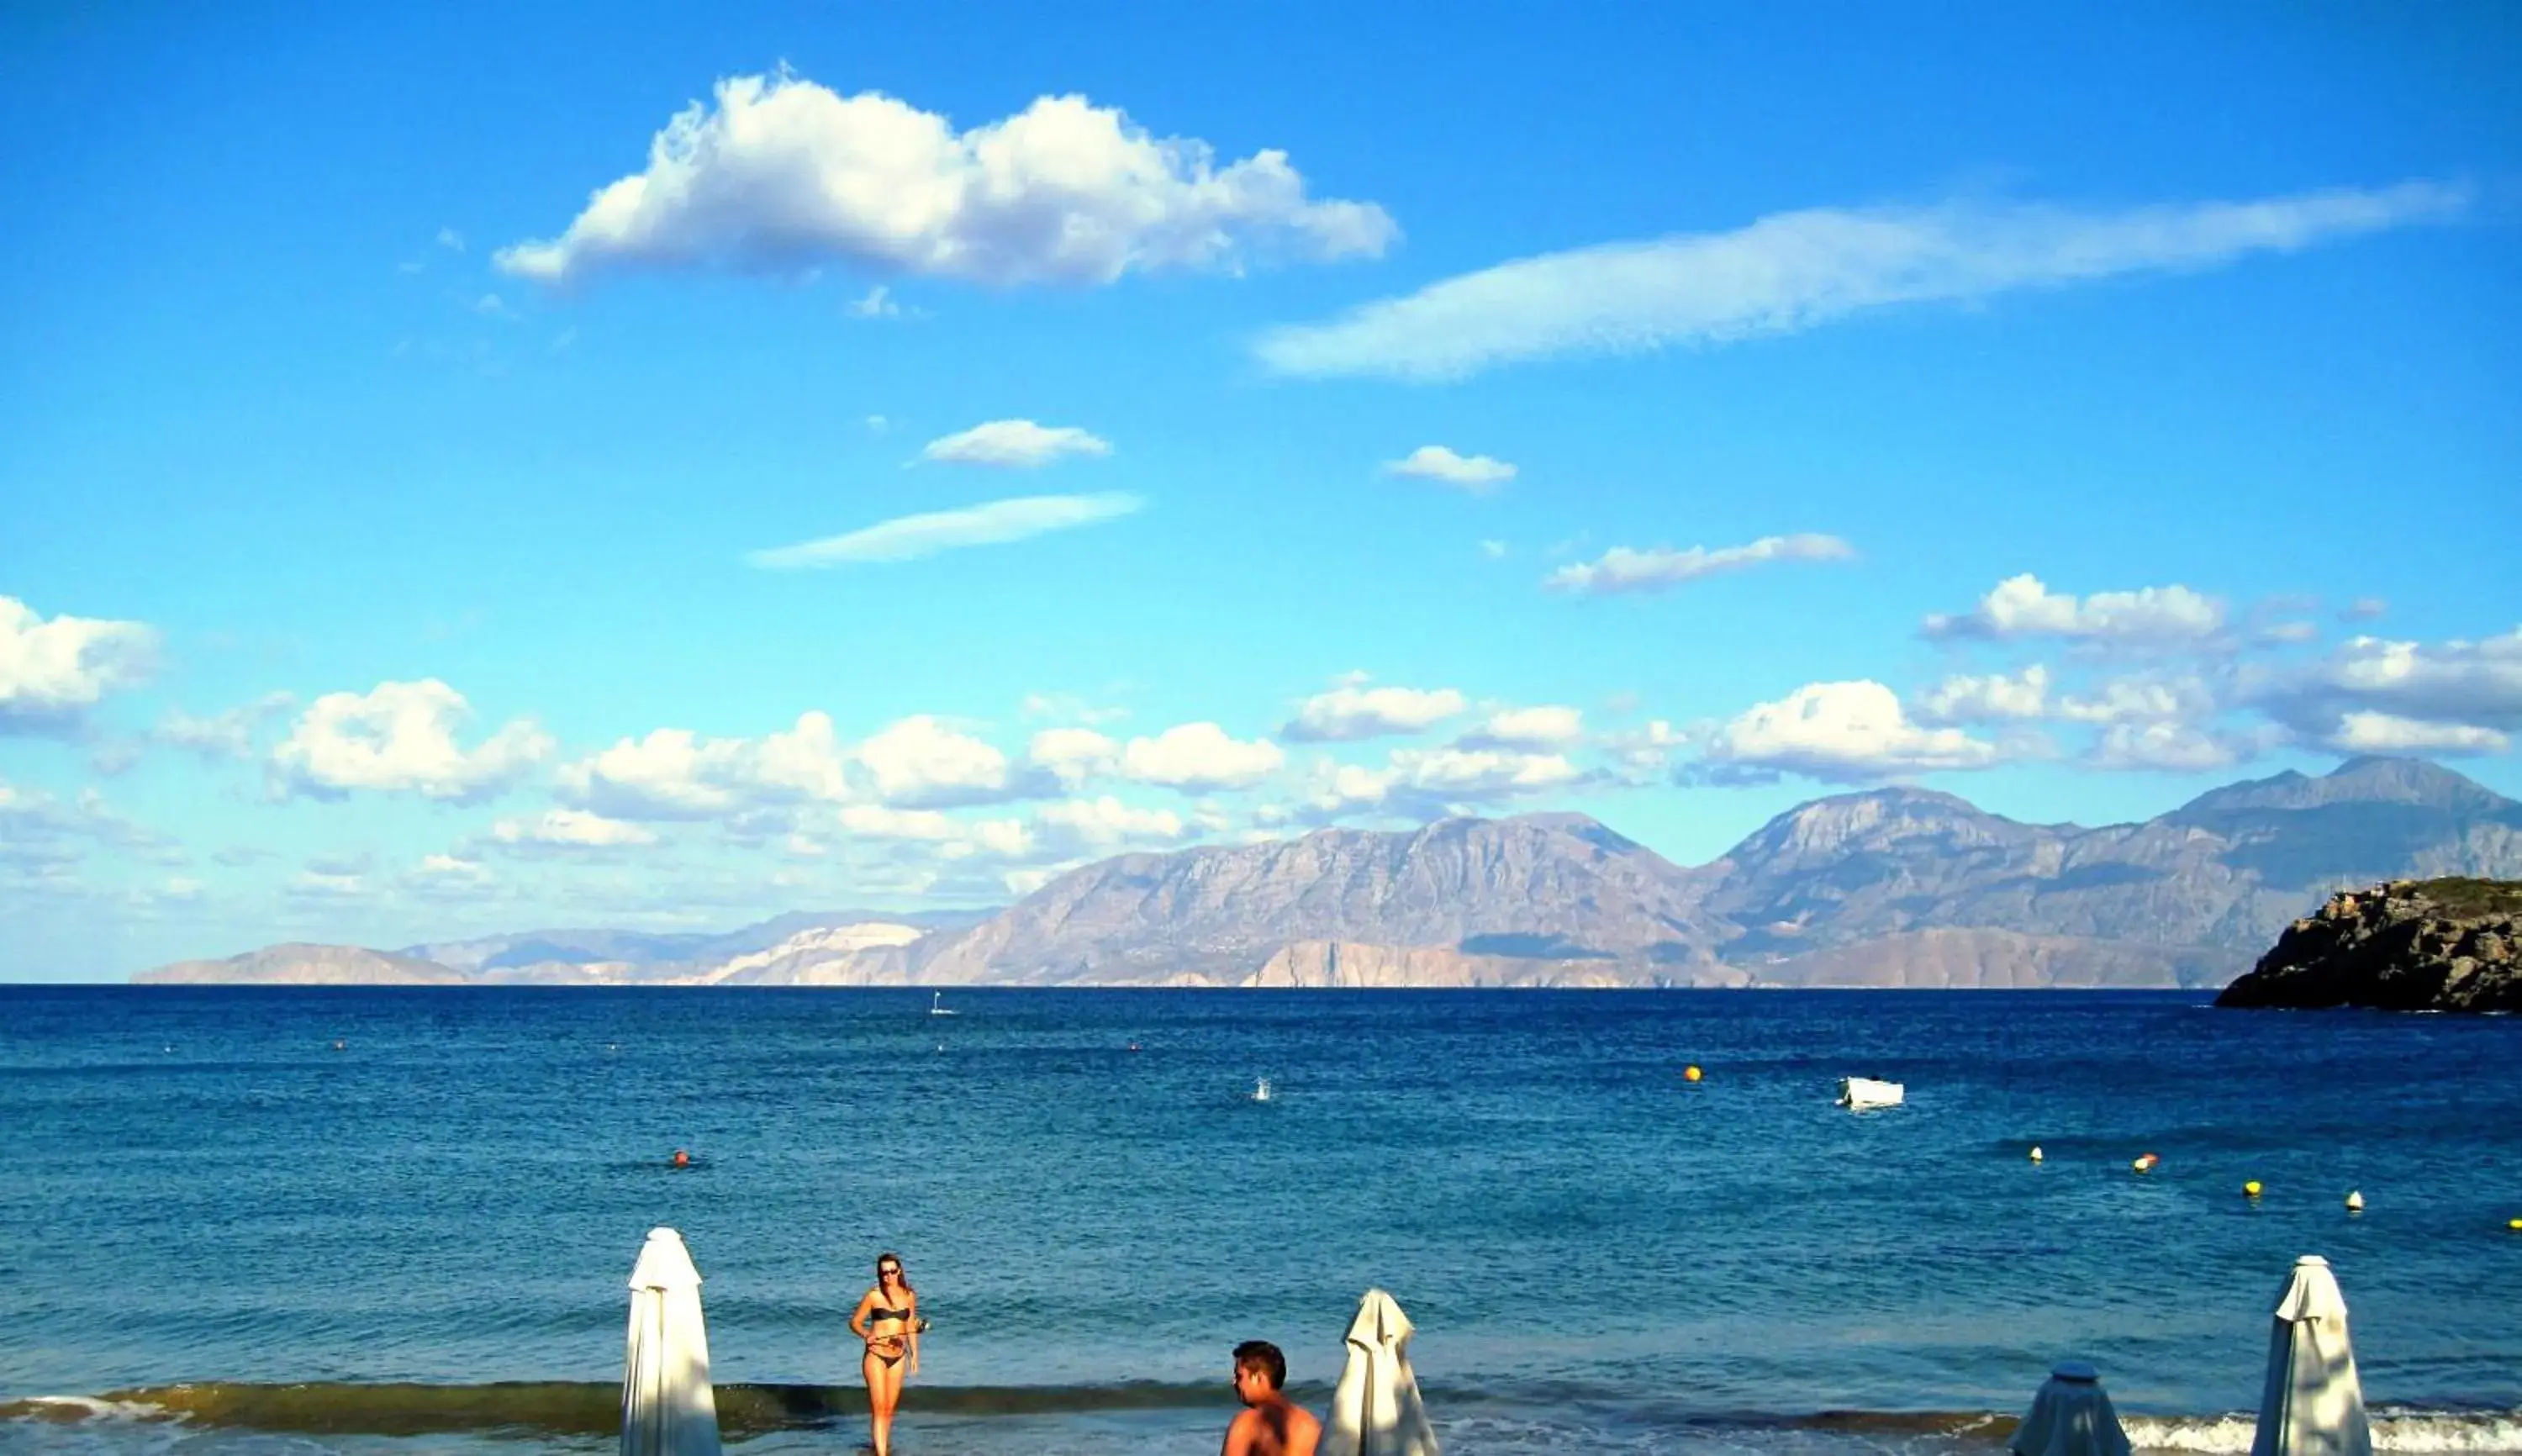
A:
(2370, 779)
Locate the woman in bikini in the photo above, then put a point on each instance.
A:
(888, 1320)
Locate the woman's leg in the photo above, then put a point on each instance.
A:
(884, 1389)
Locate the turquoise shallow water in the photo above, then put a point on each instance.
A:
(1599, 1254)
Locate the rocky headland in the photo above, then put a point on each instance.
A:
(2435, 945)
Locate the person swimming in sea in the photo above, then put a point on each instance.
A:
(888, 1320)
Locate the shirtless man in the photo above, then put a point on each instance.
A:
(1271, 1424)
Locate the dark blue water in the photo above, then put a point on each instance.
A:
(1598, 1253)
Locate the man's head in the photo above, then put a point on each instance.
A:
(1259, 1371)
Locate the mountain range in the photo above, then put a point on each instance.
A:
(1888, 888)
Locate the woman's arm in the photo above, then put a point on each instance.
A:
(858, 1316)
(910, 1333)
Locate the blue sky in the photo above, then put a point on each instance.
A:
(468, 468)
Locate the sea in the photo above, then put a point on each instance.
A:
(302, 1220)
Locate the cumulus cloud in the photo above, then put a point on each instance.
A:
(51, 672)
(1991, 699)
(1354, 711)
(2373, 694)
(911, 538)
(1013, 444)
(781, 173)
(675, 773)
(1478, 473)
(2021, 606)
(1795, 270)
(1622, 569)
(572, 828)
(1199, 756)
(2381, 733)
(401, 738)
(1549, 726)
(1432, 781)
(1072, 756)
(921, 761)
(1847, 732)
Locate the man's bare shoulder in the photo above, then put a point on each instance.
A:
(1303, 1432)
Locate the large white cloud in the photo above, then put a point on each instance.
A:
(1072, 756)
(2373, 694)
(676, 773)
(1013, 444)
(1478, 473)
(401, 737)
(2021, 606)
(781, 173)
(2381, 733)
(911, 538)
(1353, 710)
(1844, 733)
(922, 763)
(1794, 270)
(1200, 756)
(53, 670)
(1623, 569)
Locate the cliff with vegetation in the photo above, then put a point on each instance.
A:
(2436, 945)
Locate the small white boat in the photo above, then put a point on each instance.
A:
(1859, 1093)
(1261, 1090)
(937, 1005)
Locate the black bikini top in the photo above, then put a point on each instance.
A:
(882, 1313)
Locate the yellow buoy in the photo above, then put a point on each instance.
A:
(2354, 1201)
(2514, 1224)
(2250, 1190)
(2145, 1163)
(2036, 1152)
(1689, 1074)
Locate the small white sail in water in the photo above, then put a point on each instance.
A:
(937, 1005)
(1860, 1094)
(1261, 1090)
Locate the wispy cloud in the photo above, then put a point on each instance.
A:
(1621, 569)
(911, 538)
(1793, 270)
(1014, 445)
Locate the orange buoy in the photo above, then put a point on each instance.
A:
(2145, 1163)
(1689, 1074)
(682, 1159)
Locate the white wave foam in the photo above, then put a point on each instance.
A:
(93, 1408)
(2429, 1432)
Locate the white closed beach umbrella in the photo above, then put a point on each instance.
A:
(667, 1408)
(1376, 1411)
(2313, 1404)
(2071, 1416)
